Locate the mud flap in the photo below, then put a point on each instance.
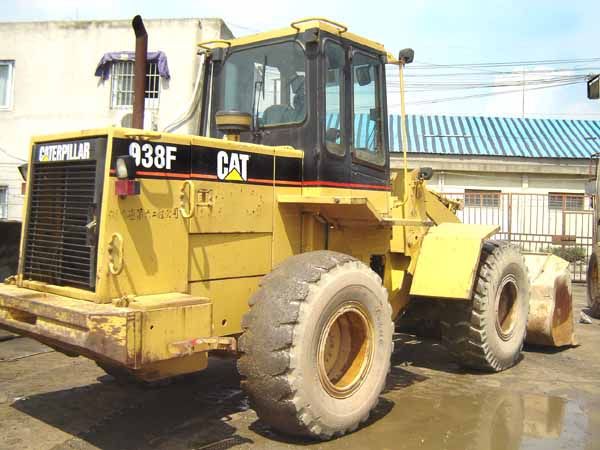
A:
(550, 320)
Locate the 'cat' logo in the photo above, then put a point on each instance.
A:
(232, 166)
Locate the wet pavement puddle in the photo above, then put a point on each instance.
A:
(488, 419)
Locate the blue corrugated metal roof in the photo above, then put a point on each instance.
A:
(497, 136)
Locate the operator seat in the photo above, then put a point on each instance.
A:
(299, 102)
(277, 114)
(280, 114)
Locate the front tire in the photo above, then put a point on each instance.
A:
(488, 332)
(316, 345)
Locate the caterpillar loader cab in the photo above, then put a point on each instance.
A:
(276, 234)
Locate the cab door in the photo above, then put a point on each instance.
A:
(368, 121)
(334, 159)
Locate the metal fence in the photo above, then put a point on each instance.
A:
(562, 223)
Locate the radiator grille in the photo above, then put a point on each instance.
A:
(60, 249)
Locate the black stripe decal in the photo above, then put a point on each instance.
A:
(228, 165)
(288, 169)
(158, 160)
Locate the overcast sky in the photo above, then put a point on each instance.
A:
(441, 32)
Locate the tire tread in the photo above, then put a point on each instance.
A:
(279, 303)
(465, 325)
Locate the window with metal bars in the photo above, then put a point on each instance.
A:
(3, 202)
(482, 198)
(568, 202)
(122, 74)
(6, 83)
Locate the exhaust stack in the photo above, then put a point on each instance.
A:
(139, 88)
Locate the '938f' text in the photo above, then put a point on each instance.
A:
(155, 156)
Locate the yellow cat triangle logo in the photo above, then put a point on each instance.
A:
(234, 175)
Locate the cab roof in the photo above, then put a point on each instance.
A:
(299, 26)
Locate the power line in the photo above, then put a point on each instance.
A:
(427, 66)
(449, 99)
(588, 69)
(444, 86)
(11, 156)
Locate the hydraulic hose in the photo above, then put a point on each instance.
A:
(196, 98)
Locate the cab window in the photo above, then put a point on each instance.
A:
(267, 82)
(335, 59)
(367, 142)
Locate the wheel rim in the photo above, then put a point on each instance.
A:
(506, 307)
(345, 350)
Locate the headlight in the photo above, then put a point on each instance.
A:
(125, 167)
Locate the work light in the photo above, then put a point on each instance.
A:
(125, 167)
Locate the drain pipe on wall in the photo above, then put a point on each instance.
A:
(196, 98)
(139, 89)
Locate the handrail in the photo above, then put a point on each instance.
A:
(343, 28)
(191, 199)
(205, 44)
(143, 134)
(404, 136)
(116, 269)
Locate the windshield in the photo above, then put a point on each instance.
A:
(267, 82)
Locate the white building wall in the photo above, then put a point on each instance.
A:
(55, 89)
(451, 182)
(523, 211)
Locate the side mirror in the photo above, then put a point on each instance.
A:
(374, 114)
(425, 173)
(406, 56)
(363, 75)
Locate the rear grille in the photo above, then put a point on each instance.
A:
(60, 249)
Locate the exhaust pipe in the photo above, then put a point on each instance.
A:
(139, 88)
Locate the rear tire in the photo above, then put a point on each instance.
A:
(488, 332)
(316, 345)
(593, 286)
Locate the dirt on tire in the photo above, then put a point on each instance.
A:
(473, 331)
(281, 336)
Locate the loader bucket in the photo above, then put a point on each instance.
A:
(550, 320)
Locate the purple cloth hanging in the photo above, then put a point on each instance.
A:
(103, 68)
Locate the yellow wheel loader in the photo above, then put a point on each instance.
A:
(277, 233)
